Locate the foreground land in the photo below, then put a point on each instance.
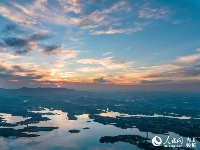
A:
(179, 112)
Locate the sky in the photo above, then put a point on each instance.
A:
(100, 44)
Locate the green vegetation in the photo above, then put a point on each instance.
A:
(74, 131)
(156, 125)
(7, 132)
(137, 140)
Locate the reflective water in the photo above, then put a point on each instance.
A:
(115, 114)
(62, 139)
(11, 119)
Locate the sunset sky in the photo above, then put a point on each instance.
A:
(100, 44)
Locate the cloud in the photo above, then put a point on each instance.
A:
(60, 65)
(12, 30)
(182, 69)
(63, 77)
(192, 71)
(16, 70)
(75, 17)
(8, 56)
(198, 49)
(93, 20)
(40, 35)
(2, 45)
(97, 72)
(109, 31)
(90, 69)
(21, 71)
(107, 63)
(13, 80)
(27, 71)
(183, 73)
(135, 27)
(156, 81)
(51, 50)
(119, 6)
(42, 12)
(22, 45)
(107, 53)
(16, 16)
(66, 54)
(15, 42)
(99, 18)
(188, 59)
(155, 13)
(72, 13)
(36, 13)
(117, 31)
(71, 6)
(116, 79)
(103, 22)
(100, 80)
